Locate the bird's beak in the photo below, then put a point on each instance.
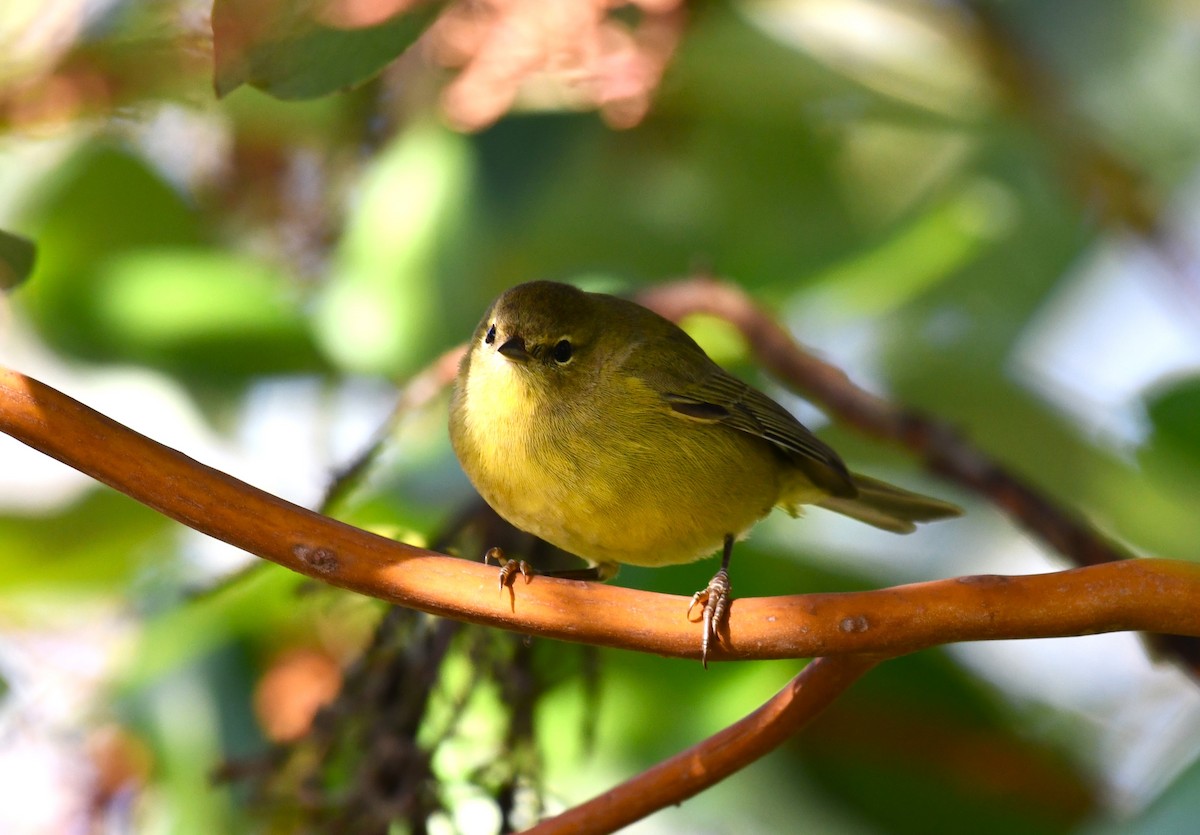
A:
(514, 349)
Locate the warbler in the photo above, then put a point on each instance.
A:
(604, 429)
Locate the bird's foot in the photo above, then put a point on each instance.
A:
(509, 569)
(715, 600)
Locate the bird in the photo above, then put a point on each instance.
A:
(603, 428)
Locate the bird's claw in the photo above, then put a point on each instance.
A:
(715, 600)
(508, 568)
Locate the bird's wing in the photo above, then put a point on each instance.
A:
(721, 398)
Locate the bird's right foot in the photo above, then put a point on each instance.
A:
(715, 600)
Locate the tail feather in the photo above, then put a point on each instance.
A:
(891, 508)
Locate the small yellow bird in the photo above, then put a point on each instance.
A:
(604, 429)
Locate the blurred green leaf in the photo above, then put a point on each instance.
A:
(99, 543)
(263, 604)
(1174, 412)
(101, 202)
(281, 49)
(16, 259)
(932, 248)
(378, 313)
(204, 312)
(126, 275)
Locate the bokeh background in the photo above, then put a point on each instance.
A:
(986, 210)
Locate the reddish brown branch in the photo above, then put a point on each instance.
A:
(711, 761)
(1147, 595)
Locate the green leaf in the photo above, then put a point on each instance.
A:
(16, 259)
(378, 312)
(932, 248)
(100, 203)
(261, 604)
(1175, 414)
(100, 542)
(207, 312)
(125, 274)
(282, 50)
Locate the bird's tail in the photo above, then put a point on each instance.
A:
(889, 507)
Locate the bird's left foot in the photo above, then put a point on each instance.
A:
(715, 600)
(509, 569)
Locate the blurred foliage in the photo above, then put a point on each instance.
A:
(1174, 441)
(16, 259)
(924, 191)
(281, 49)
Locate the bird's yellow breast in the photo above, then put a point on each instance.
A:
(607, 479)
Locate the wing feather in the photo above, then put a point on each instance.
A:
(723, 399)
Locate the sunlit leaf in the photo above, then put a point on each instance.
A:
(919, 256)
(378, 310)
(138, 283)
(208, 311)
(281, 49)
(101, 202)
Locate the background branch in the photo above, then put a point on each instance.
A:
(935, 443)
(709, 762)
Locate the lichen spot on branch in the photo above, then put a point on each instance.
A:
(322, 560)
(859, 623)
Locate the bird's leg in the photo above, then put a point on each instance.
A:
(509, 569)
(715, 599)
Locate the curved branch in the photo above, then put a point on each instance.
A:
(1147, 595)
(709, 762)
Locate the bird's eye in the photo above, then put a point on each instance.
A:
(562, 351)
(491, 335)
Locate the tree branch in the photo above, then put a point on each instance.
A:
(1148, 595)
(709, 762)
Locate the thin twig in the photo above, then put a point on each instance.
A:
(415, 396)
